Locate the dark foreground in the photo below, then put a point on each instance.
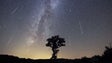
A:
(105, 58)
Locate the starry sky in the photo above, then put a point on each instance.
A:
(25, 25)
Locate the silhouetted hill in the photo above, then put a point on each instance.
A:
(105, 58)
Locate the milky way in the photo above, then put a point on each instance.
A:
(25, 25)
(40, 27)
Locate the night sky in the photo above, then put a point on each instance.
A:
(25, 25)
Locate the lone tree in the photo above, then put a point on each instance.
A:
(55, 42)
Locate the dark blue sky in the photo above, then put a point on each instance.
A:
(25, 25)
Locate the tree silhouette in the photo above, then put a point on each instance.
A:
(55, 42)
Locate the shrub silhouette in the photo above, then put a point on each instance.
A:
(107, 55)
(55, 42)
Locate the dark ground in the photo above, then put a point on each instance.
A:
(105, 58)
